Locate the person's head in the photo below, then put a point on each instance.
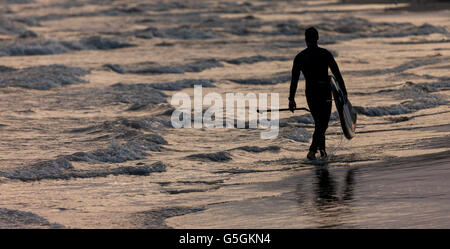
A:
(311, 36)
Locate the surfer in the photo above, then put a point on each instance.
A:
(314, 62)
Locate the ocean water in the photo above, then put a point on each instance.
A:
(87, 139)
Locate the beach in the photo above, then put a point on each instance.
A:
(88, 90)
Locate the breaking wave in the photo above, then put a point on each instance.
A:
(42, 77)
(135, 142)
(123, 127)
(181, 84)
(182, 32)
(297, 134)
(40, 170)
(221, 156)
(8, 27)
(419, 97)
(277, 79)
(115, 153)
(255, 59)
(304, 119)
(347, 28)
(400, 68)
(154, 68)
(16, 219)
(364, 28)
(257, 149)
(61, 168)
(137, 95)
(45, 47)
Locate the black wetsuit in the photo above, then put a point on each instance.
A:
(314, 62)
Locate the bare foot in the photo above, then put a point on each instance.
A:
(323, 154)
(311, 155)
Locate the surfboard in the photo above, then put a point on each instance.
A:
(345, 110)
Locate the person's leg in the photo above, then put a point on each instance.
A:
(315, 114)
(322, 124)
(315, 140)
(319, 103)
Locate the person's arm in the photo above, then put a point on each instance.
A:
(294, 83)
(294, 79)
(337, 74)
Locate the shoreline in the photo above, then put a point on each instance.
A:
(412, 6)
(374, 195)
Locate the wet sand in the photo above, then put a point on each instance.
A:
(409, 192)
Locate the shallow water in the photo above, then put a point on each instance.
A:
(87, 139)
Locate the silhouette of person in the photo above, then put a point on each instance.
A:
(314, 62)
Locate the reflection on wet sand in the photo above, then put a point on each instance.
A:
(330, 206)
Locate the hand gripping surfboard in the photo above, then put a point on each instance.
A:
(345, 110)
